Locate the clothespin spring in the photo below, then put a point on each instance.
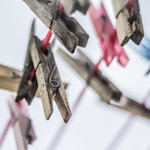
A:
(53, 83)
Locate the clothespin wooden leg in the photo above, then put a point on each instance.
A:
(123, 28)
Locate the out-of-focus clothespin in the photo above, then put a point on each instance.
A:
(40, 71)
(107, 91)
(98, 81)
(66, 29)
(129, 22)
(9, 78)
(22, 124)
(107, 36)
(73, 5)
(132, 106)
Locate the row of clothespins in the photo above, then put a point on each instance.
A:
(40, 75)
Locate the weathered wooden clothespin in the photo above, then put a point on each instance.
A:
(128, 21)
(40, 71)
(22, 124)
(10, 78)
(73, 5)
(107, 36)
(66, 29)
(84, 67)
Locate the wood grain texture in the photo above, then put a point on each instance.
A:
(49, 81)
(73, 5)
(63, 30)
(129, 23)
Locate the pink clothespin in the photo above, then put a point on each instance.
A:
(21, 122)
(107, 36)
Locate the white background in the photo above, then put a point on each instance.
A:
(94, 125)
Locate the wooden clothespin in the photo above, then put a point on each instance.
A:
(132, 106)
(22, 124)
(40, 71)
(66, 29)
(83, 66)
(128, 21)
(107, 36)
(9, 78)
(107, 91)
(73, 5)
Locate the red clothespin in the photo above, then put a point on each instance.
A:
(107, 36)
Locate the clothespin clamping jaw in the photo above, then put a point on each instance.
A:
(84, 67)
(22, 124)
(73, 5)
(41, 72)
(66, 29)
(129, 22)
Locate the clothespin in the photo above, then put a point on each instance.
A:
(41, 72)
(132, 106)
(22, 124)
(73, 5)
(9, 78)
(128, 21)
(84, 67)
(107, 36)
(66, 29)
(107, 91)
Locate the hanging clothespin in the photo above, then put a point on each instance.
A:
(73, 5)
(107, 91)
(128, 21)
(9, 78)
(66, 29)
(84, 67)
(40, 71)
(22, 124)
(107, 36)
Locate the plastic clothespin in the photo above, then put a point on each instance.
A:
(128, 21)
(107, 36)
(40, 64)
(22, 124)
(84, 67)
(73, 5)
(66, 29)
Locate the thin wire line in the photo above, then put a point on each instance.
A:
(5, 131)
(126, 126)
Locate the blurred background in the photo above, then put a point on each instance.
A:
(95, 124)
